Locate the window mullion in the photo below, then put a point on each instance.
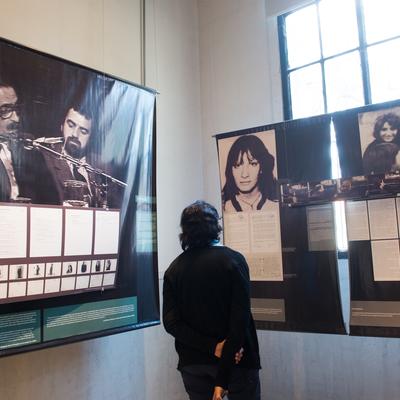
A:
(322, 61)
(287, 103)
(363, 52)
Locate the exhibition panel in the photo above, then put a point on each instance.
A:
(278, 191)
(78, 255)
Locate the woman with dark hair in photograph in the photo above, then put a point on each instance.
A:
(379, 156)
(206, 308)
(250, 182)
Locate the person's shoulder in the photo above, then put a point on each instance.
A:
(371, 146)
(229, 253)
(269, 205)
(228, 249)
(174, 266)
(228, 207)
(236, 263)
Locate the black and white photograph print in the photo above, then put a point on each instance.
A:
(68, 130)
(53, 269)
(36, 270)
(292, 194)
(97, 266)
(391, 183)
(304, 193)
(248, 171)
(369, 186)
(84, 267)
(18, 271)
(325, 190)
(110, 265)
(380, 140)
(69, 268)
(355, 187)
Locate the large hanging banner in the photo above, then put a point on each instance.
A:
(77, 202)
(291, 251)
(307, 149)
(251, 213)
(373, 220)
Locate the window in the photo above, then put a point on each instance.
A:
(339, 54)
(335, 55)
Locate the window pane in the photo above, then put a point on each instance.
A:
(334, 14)
(302, 37)
(381, 19)
(340, 225)
(384, 71)
(343, 79)
(306, 91)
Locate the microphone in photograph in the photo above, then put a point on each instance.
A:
(48, 140)
(23, 137)
(30, 142)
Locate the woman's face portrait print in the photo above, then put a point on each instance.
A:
(387, 133)
(246, 172)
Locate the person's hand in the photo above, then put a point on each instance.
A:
(218, 352)
(238, 356)
(218, 349)
(219, 393)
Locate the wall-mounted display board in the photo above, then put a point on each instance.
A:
(287, 232)
(369, 141)
(78, 255)
(291, 251)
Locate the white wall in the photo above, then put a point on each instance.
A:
(103, 34)
(235, 75)
(173, 69)
(240, 87)
(277, 7)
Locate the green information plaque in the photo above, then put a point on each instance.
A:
(19, 329)
(62, 322)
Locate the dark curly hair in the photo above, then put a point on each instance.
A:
(392, 119)
(255, 149)
(199, 224)
(380, 158)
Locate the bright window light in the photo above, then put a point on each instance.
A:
(334, 14)
(381, 19)
(302, 37)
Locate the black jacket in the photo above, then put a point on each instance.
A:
(206, 300)
(30, 173)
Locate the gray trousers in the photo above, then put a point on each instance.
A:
(199, 382)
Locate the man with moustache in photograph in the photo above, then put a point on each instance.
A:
(68, 156)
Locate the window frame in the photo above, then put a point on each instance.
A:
(362, 48)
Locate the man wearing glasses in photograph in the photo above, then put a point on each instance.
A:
(21, 169)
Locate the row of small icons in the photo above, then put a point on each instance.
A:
(40, 270)
(52, 285)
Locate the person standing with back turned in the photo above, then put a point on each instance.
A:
(206, 308)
